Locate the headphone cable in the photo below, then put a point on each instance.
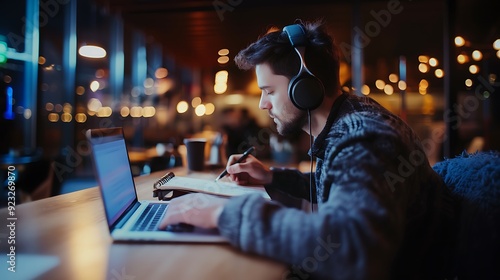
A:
(311, 162)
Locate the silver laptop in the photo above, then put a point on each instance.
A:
(128, 218)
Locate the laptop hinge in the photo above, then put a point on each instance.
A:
(123, 219)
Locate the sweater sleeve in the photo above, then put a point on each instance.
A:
(354, 235)
(291, 182)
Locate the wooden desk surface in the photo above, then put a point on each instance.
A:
(66, 237)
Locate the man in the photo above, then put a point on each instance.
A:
(381, 209)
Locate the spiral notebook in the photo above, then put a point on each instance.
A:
(170, 186)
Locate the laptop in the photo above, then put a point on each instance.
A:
(128, 218)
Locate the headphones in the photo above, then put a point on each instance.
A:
(305, 90)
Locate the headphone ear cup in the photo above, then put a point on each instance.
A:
(306, 91)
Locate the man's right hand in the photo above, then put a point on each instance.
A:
(248, 172)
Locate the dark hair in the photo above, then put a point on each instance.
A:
(274, 48)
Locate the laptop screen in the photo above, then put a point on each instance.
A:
(113, 173)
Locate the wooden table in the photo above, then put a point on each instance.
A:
(66, 237)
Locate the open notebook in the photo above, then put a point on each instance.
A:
(128, 218)
(170, 186)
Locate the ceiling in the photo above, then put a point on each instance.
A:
(192, 31)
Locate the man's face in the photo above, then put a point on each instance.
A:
(274, 98)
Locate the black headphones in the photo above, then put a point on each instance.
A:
(304, 90)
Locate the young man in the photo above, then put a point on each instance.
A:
(382, 212)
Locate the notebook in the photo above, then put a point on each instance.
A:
(170, 186)
(128, 218)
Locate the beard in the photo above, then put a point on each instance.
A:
(293, 125)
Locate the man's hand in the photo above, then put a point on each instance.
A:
(197, 209)
(249, 172)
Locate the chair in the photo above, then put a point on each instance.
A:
(33, 180)
(474, 179)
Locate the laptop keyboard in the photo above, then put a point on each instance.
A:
(149, 219)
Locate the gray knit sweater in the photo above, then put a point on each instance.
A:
(382, 210)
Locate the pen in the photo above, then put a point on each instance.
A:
(243, 157)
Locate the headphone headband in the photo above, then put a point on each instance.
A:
(296, 35)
